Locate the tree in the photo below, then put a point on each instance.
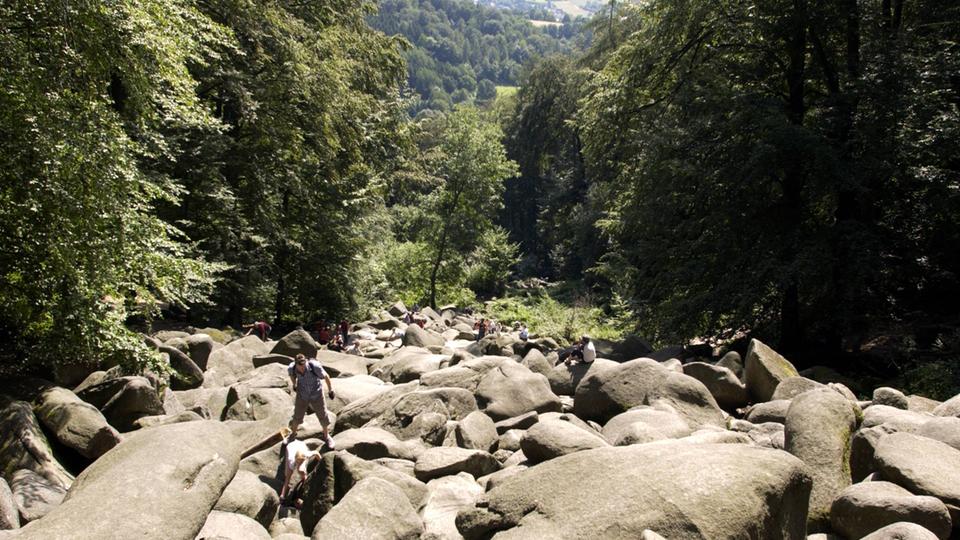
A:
(463, 151)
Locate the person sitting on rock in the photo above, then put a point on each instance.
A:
(336, 345)
(261, 327)
(324, 336)
(524, 333)
(297, 457)
(583, 352)
(308, 377)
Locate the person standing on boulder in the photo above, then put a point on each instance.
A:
(308, 377)
(345, 331)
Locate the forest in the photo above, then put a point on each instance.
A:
(691, 169)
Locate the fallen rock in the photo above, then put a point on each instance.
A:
(732, 361)
(476, 431)
(722, 384)
(154, 421)
(227, 364)
(512, 389)
(564, 379)
(863, 508)
(186, 374)
(863, 446)
(24, 446)
(446, 497)
(618, 492)
(945, 429)
(9, 515)
(923, 466)
(522, 421)
(220, 525)
(247, 404)
(445, 461)
(75, 423)
(297, 342)
(424, 413)
(818, 430)
(603, 395)
(341, 364)
(764, 370)
(921, 404)
(899, 419)
(248, 496)
(34, 495)
(373, 443)
(950, 407)
(357, 413)
(901, 531)
(158, 483)
(536, 362)
(373, 508)
(418, 337)
(645, 424)
(554, 438)
(792, 387)
(261, 360)
(770, 411)
(890, 397)
(123, 400)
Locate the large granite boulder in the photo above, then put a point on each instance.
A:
(358, 412)
(227, 364)
(645, 424)
(446, 497)
(476, 431)
(769, 411)
(297, 342)
(725, 387)
(374, 443)
(564, 379)
(75, 423)
(945, 429)
(35, 496)
(342, 365)
(899, 419)
(186, 374)
(901, 531)
(890, 397)
(764, 370)
(447, 460)
(866, 507)
(554, 438)
(512, 389)
(24, 446)
(418, 337)
(683, 491)
(607, 393)
(424, 413)
(247, 495)
(197, 346)
(792, 387)
(950, 407)
(158, 483)
(372, 509)
(9, 515)
(123, 400)
(220, 525)
(819, 426)
(246, 403)
(923, 466)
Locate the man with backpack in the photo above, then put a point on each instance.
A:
(308, 377)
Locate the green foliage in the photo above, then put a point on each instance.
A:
(456, 45)
(565, 321)
(86, 91)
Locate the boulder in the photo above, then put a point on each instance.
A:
(342, 365)
(261, 360)
(410, 365)
(268, 376)
(792, 387)
(357, 413)
(863, 508)
(476, 431)
(554, 438)
(220, 525)
(154, 421)
(398, 309)
(424, 413)
(764, 370)
(227, 364)
(350, 389)
(446, 497)
(950, 407)
(372, 509)
(770, 411)
(467, 373)
(921, 404)
(603, 395)
(536, 362)
(447, 460)
(732, 361)
(198, 347)
(286, 526)
(186, 374)
(418, 337)
(123, 400)
(890, 397)
(246, 403)
(9, 514)
(512, 389)
(618, 492)
(248, 496)
(722, 384)
(945, 429)
(297, 342)
(564, 379)
(24, 446)
(863, 446)
(75, 423)
(901, 531)
(374, 443)
(158, 483)
(522, 421)
(818, 430)
(645, 424)
(899, 419)
(923, 466)
(207, 402)
(34, 495)
(510, 440)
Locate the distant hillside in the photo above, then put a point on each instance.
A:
(462, 51)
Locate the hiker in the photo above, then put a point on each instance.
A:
(308, 377)
(345, 331)
(524, 333)
(408, 317)
(336, 345)
(481, 328)
(354, 349)
(297, 457)
(324, 336)
(583, 352)
(261, 327)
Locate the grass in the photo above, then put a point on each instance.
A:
(559, 313)
(506, 91)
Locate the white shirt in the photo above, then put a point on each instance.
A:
(589, 352)
(292, 448)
